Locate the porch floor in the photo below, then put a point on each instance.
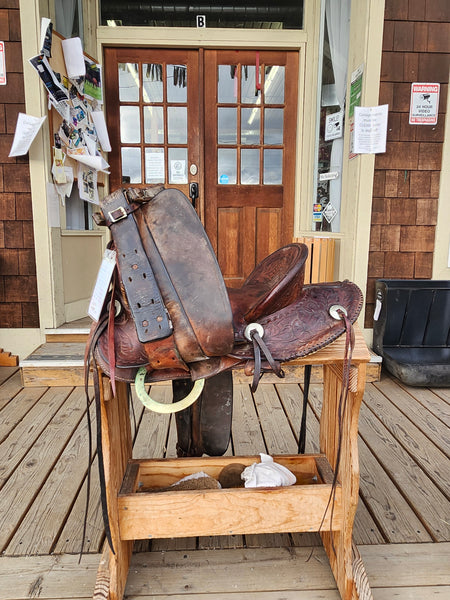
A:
(402, 526)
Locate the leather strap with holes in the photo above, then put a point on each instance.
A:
(147, 307)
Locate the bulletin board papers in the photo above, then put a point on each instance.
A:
(27, 128)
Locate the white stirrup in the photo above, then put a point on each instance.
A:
(151, 404)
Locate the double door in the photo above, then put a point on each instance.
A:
(220, 125)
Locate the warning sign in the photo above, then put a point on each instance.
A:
(424, 104)
(2, 64)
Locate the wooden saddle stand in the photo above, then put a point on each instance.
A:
(169, 317)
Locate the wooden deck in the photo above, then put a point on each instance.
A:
(402, 525)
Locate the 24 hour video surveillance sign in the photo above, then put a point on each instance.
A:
(424, 105)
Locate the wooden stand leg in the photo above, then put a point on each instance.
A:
(117, 448)
(338, 545)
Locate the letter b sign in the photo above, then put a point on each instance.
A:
(201, 21)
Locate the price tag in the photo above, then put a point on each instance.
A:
(102, 284)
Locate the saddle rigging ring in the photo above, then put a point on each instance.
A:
(158, 407)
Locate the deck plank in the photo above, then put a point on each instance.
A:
(40, 526)
(408, 433)
(14, 411)
(426, 499)
(22, 437)
(37, 465)
(394, 517)
(418, 414)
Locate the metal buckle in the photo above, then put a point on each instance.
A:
(117, 214)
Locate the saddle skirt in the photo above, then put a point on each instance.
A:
(173, 314)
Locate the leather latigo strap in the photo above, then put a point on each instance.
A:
(144, 299)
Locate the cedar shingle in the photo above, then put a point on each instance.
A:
(423, 267)
(396, 10)
(420, 37)
(430, 156)
(388, 36)
(399, 155)
(16, 177)
(9, 261)
(27, 262)
(427, 209)
(392, 66)
(437, 10)
(438, 37)
(403, 211)
(411, 66)
(420, 184)
(13, 234)
(417, 238)
(381, 211)
(390, 238)
(434, 67)
(376, 264)
(399, 265)
(11, 314)
(403, 36)
(4, 25)
(416, 10)
(7, 207)
(30, 312)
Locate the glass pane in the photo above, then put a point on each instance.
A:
(178, 165)
(283, 14)
(273, 125)
(176, 83)
(250, 167)
(248, 85)
(227, 125)
(152, 82)
(153, 125)
(130, 127)
(227, 84)
(273, 167)
(154, 165)
(226, 165)
(128, 82)
(177, 125)
(274, 85)
(250, 125)
(131, 165)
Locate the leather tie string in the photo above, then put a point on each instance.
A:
(260, 346)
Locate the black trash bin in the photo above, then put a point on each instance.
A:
(411, 330)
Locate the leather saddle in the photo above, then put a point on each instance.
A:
(169, 316)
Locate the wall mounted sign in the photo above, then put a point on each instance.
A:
(424, 104)
(2, 64)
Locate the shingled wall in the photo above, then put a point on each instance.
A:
(416, 46)
(18, 287)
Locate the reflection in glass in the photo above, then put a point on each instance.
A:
(176, 83)
(226, 166)
(273, 125)
(250, 167)
(177, 124)
(128, 82)
(154, 165)
(178, 165)
(248, 85)
(250, 125)
(152, 82)
(227, 125)
(131, 165)
(273, 167)
(274, 85)
(227, 84)
(153, 125)
(130, 127)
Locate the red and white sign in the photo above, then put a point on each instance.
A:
(2, 64)
(424, 105)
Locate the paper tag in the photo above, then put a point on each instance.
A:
(378, 306)
(102, 284)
